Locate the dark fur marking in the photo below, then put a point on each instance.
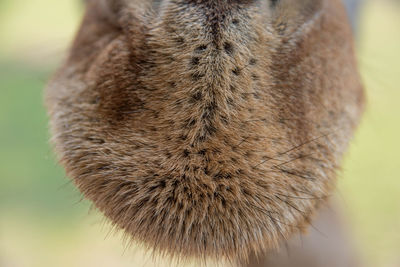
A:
(230, 101)
(201, 48)
(209, 111)
(203, 152)
(255, 77)
(228, 47)
(253, 61)
(236, 71)
(281, 28)
(223, 202)
(273, 3)
(196, 76)
(190, 122)
(197, 96)
(210, 129)
(218, 176)
(201, 138)
(224, 120)
(180, 40)
(195, 61)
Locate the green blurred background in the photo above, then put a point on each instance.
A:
(43, 220)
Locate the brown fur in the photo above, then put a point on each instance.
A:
(207, 127)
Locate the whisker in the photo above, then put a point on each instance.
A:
(268, 213)
(304, 216)
(64, 185)
(244, 140)
(304, 143)
(316, 229)
(291, 205)
(301, 191)
(286, 162)
(303, 198)
(293, 149)
(262, 162)
(291, 172)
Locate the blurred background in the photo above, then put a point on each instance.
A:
(43, 220)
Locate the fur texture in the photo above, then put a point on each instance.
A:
(207, 128)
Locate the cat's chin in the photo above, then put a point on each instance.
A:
(202, 133)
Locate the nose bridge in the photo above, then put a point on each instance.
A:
(213, 41)
(214, 16)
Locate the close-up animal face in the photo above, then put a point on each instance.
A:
(207, 128)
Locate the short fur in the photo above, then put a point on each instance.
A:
(207, 128)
